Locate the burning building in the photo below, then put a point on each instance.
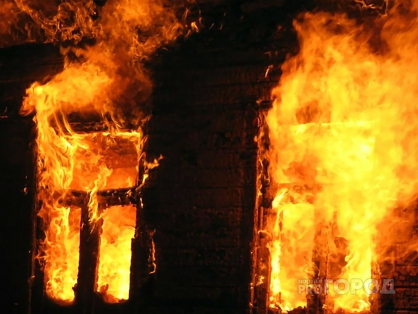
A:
(208, 156)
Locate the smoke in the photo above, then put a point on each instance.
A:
(24, 21)
(105, 50)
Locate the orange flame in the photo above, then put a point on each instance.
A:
(62, 241)
(74, 161)
(343, 144)
(105, 85)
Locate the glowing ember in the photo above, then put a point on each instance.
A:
(343, 153)
(118, 151)
(115, 252)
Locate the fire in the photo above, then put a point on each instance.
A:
(115, 257)
(70, 161)
(63, 241)
(343, 153)
(89, 121)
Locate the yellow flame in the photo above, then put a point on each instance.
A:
(62, 241)
(115, 252)
(343, 144)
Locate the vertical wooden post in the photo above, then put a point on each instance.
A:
(89, 251)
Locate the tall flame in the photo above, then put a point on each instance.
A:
(104, 83)
(343, 152)
(118, 230)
